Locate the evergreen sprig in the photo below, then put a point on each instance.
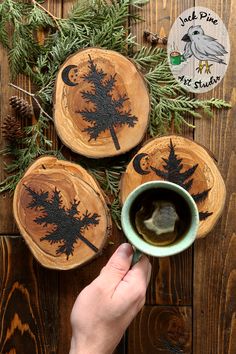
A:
(108, 174)
(38, 19)
(34, 144)
(89, 23)
(149, 56)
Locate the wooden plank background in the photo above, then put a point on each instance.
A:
(191, 305)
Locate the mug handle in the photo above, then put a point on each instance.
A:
(182, 58)
(136, 257)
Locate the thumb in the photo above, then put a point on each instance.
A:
(118, 265)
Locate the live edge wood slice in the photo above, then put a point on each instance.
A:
(101, 103)
(61, 212)
(186, 163)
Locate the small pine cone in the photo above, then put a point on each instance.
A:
(21, 106)
(154, 39)
(164, 40)
(151, 37)
(11, 129)
(146, 35)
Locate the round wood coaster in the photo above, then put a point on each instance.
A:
(101, 103)
(182, 161)
(61, 212)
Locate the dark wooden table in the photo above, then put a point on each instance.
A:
(191, 300)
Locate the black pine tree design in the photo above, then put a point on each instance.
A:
(69, 225)
(108, 113)
(172, 173)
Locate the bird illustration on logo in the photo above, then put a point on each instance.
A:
(203, 47)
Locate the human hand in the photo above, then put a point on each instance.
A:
(104, 309)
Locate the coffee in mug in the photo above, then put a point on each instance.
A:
(160, 218)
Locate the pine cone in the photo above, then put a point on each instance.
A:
(150, 37)
(21, 106)
(164, 40)
(11, 129)
(154, 39)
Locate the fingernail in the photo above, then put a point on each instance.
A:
(125, 250)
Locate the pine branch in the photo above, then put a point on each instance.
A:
(34, 98)
(218, 103)
(149, 56)
(44, 14)
(116, 212)
(3, 33)
(109, 176)
(10, 182)
(39, 17)
(22, 46)
(34, 145)
(138, 3)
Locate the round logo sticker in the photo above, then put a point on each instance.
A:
(198, 49)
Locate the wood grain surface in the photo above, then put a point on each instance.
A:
(214, 303)
(29, 301)
(191, 302)
(161, 329)
(68, 195)
(6, 215)
(94, 116)
(171, 280)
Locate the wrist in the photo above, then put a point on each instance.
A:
(77, 347)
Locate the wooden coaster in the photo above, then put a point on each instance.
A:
(61, 212)
(186, 163)
(101, 104)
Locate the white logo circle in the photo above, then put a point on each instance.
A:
(198, 49)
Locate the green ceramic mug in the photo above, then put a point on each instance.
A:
(176, 58)
(189, 210)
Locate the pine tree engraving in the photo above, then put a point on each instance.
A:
(108, 113)
(70, 226)
(172, 173)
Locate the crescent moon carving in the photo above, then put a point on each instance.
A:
(65, 75)
(137, 166)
